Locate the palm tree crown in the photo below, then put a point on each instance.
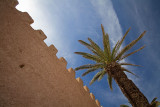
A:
(107, 57)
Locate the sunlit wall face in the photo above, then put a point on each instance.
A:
(66, 21)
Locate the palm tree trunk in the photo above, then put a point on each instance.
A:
(129, 89)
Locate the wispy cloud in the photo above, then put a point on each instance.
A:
(109, 19)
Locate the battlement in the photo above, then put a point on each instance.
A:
(11, 3)
(27, 18)
(41, 34)
(52, 50)
(41, 64)
(63, 61)
(70, 70)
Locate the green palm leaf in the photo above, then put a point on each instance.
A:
(129, 46)
(131, 53)
(90, 56)
(87, 66)
(98, 50)
(88, 46)
(95, 77)
(154, 100)
(118, 45)
(89, 71)
(124, 69)
(155, 103)
(103, 32)
(107, 50)
(106, 45)
(110, 81)
(85, 44)
(129, 64)
(102, 75)
(114, 51)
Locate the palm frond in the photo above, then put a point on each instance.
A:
(110, 81)
(124, 69)
(114, 51)
(105, 43)
(129, 64)
(89, 71)
(87, 66)
(103, 32)
(119, 43)
(85, 43)
(98, 50)
(102, 75)
(88, 46)
(95, 77)
(108, 44)
(129, 46)
(155, 103)
(131, 53)
(90, 56)
(154, 100)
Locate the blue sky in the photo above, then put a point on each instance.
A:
(66, 21)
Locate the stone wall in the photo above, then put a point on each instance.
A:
(31, 75)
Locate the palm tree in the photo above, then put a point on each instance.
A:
(108, 63)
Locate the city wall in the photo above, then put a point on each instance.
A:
(31, 75)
